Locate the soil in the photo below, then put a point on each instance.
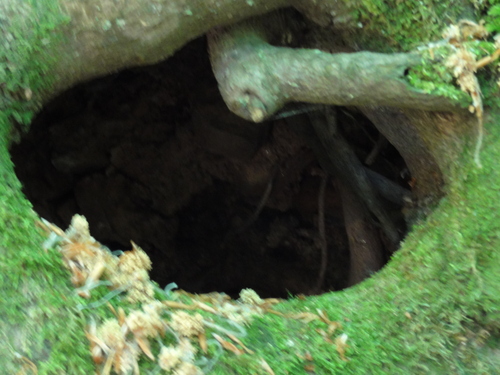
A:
(153, 155)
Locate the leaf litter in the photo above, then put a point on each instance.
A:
(117, 344)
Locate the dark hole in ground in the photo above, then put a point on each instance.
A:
(153, 155)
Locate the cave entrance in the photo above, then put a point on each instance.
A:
(153, 155)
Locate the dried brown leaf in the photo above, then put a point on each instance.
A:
(178, 305)
(332, 327)
(205, 307)
(26, 364)
(202, 338)
(275, 312)
(306, 317)
(309, 367)
(266, 366)
(144, 345)
(238, 341)
(227, 345)
(341, 346)
(469, 29)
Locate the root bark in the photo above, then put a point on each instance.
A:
(256, 79)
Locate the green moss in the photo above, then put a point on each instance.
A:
(39, 320)
(388, 26)
(492, 18)
(490, 88)
(426, 312)
(433, 77)
(27, 29)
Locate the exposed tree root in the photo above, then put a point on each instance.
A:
(256, 79)
(388, 189)
(408, 131)
(364, 243)
(322, 233)
(350, 171)
(262, 203)
(379, 145)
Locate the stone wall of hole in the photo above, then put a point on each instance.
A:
(154, 156)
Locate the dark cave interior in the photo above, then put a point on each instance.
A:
(153, 155)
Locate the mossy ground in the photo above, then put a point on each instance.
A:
(434, 309)
(39, 321)
(27, 31)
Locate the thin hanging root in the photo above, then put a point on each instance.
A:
(465, 67)
(263, 201)
(488, 59)
(479, 142)
(341, 161)
(258, 210)
(322, 233)
(379, 145)
(477, 103)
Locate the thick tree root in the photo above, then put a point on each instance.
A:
(256, 79)
(347, 167)
(365, 247)
(388, 189)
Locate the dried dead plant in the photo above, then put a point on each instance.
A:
(117, 344)
(464, 66)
